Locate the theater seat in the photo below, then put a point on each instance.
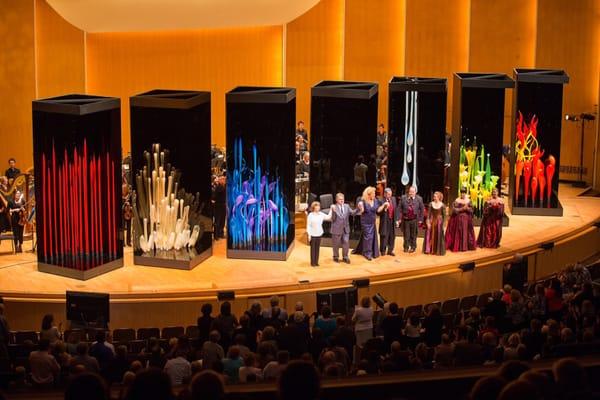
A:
(468, 302)
(418, 308)
(172, 332)
(147, 333)
(124, 335)
(450, 306)
(192, 332)
(22, 336)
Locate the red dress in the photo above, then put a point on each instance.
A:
(460, 234)
(490, 232)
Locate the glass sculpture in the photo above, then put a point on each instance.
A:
(475, 175)
(257, 219)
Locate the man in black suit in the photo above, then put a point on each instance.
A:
(411, 215)
(388, 218)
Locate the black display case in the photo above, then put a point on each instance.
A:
(535, 143)
(77, 164)
(417, 144)
(343, 137)
(180, 123)
(260, 172)
(477, 132)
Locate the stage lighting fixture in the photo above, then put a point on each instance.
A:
(571, 117)
(547, 245)
(226, 295)
(596, 224)
(379, 300)
(470, 266)
(361, 283)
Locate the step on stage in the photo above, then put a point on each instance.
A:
(20, 279)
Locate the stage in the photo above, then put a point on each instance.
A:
(20, 279)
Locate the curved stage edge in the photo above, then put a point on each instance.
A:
(150, 296)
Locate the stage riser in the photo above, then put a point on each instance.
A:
(416, 289)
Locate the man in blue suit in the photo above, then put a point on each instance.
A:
(340, 228)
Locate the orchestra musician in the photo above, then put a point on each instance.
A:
(127, 213)
(18, 219)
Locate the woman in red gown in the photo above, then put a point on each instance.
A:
(460, 234)
(490, 232)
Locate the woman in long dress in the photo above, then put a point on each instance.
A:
(460, 234)
(434, 236)
(368, 207)
(490, 232)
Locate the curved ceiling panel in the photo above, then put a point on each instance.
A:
(155, 15)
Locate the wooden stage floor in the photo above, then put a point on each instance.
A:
(19, 278)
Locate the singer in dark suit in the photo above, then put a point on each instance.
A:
(411, 215)
(388, 219)
(340, 228)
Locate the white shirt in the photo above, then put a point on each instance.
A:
(178, 370)
(245, 371)
(314, 223)
(364, 318)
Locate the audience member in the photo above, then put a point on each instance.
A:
(102, 353)
(299, 381)
(151, 384)
(43, 366)
(86, 386)
(363, 321)
(273, 369)
(178, 368)
(82, 358)
(212, 350)
(326, 323)
(207, 385)
(205, 322)
(232, 364)
(49, 331)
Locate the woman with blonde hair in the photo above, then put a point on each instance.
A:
(363, 321)
(368, 207)
(314, 229)
(434, 242)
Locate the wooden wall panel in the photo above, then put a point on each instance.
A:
(374, 44)
(502, 37)
(17, 81)
(314, 51)
(124, 64)
(568, 37)
(437, 40)
(60, 53)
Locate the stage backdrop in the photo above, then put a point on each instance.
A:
(536, 138)
(260, 172)
(77, 151)
(179, 122)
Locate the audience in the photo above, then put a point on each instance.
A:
(508, 332)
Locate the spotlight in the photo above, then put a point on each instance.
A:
(571, 117)
(587, 117)
(379, 300)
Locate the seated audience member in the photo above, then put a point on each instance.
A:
(178, 368)
(150, 384)
(398, 360)
(444, 353)
(267, 343)
(487, 388)
(511, 347)
(212, 350)
(571, 379)
(86, 386)
(207, 385)
(466, 351)
(423, 358)
(544, 386)
(232, 364)
(43, 366)
(60, 354)
(474, 319)
(89, 363)
(519, 390)
(325, 322)
(506, 290)
(137, 367)
(489, 344)
(516, 310)
(154, 354)
(273, 369)
(49, 331)
(249, 368)
(294, 337)
(117, 367)
(299, 381)
(239, 340)
(512, 370)
(101, 352)
(128, 378)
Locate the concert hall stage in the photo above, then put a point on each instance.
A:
(175, 295)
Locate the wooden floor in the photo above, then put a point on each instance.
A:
(19, 278)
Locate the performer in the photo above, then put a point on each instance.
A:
(340, 228)
(388, 220)
(302, 136)
(411, 216)
(368, 207)
(17, 219)
(314, 228)
(12, 172)
(127, 213)
(460, 235)
(490, 232)
(219, 199)
(4, 224)
(434, 236)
